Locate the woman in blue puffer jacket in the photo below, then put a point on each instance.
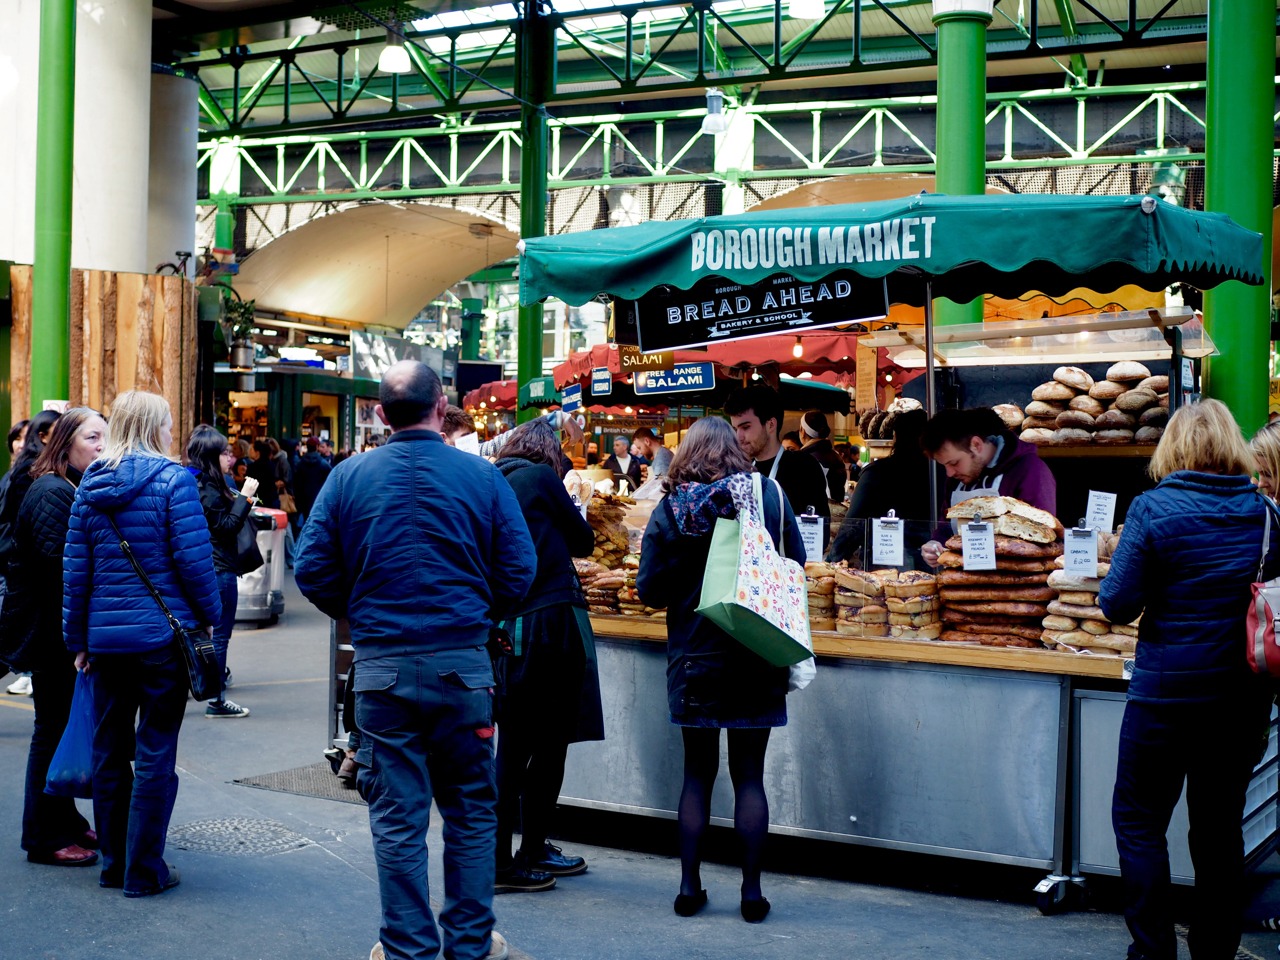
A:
(1195, 713)
(116, 630)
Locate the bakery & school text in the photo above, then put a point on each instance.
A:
(900, 238)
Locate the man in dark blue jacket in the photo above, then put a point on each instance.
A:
(422, 547)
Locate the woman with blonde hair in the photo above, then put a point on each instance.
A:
(714, 682)
(1266, 453)
(118, 633)
(1195, 713)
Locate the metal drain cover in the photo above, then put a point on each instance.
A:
(237, 836)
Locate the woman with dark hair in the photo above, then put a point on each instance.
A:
(17, 434)
(548, 689)
(53, 831)
(262, 468)
(209, 458)
(816, 434)
(713, 681)
(13, 487)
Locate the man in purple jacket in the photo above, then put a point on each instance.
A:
(984, 459)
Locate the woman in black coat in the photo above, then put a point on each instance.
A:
(209, 457)
(548, 690)
(53, 831)
(264, 470)
(816, 434)
(713, 681)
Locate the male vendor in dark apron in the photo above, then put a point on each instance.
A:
(983, 458)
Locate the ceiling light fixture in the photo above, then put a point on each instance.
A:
(716, 120)
(394, 57)
(798, 350)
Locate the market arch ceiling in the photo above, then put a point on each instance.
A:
(325, 52)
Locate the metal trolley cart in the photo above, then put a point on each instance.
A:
(261, 593)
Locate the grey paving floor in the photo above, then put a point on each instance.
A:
(273, 876)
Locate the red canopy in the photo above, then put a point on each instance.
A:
(496, 395)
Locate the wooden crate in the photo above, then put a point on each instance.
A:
(128, 331)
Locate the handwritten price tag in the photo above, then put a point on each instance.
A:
(1101, 512)
(1081, 551)
(978, 542)
(886, 542)
(811, 534)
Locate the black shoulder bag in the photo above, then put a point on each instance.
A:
(204, 676)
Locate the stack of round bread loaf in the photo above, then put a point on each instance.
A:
(820, 578)
(1130, 406)
(878, 424)
(1001, 607)
(886, 603)
(1075, 622)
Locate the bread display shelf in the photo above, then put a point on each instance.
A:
(1096, 450)
(906, 651)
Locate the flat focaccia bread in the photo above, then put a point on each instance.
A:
(929, 631)
(1013, 547)
(951, 559)
(913, 619)
(977, 594)
(965, 578)
(912, 604)
(855, 628)
(911, 583)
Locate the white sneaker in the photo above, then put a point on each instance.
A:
(497, 948)
(376, 953)
(20, 687)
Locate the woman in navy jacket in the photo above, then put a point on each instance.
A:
(116, 630)
(713, 682)
(1195, 713)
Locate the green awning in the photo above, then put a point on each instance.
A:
(964, 246)
(539, 392)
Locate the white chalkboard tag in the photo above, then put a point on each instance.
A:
(886, 541)
(811, 534)
(978, 542)
(1100, 514)
(1081, 553)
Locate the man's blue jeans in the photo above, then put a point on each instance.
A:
(426, 723)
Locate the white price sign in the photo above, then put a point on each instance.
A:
(811, 534)
(886, 542)
(978, 541)
(1101, 512)
(1081, 549)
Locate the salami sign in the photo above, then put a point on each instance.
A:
(717, 310)
(682, 378)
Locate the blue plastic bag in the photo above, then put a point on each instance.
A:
(71, 769)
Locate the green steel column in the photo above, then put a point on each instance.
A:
(961, 115)
(472, 314)
(537, 57)
(55, 136)
(1238, 149)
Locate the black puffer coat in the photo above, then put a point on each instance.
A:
(225, 517)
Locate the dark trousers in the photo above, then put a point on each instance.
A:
(50, 823)
(229, 590)
(530, 774)
(132, 806)
(1213, 748)
(426, 724)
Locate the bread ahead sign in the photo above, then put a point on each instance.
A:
(717, 310)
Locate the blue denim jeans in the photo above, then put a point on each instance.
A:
(1213, 748)
(132, 806)
(229, 590)
(426, 724)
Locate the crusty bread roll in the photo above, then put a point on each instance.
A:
(1087, 404)
(1071, 638)
(968, 578)
(1148, 435)
(1011, 414)
(1154, 417)
(821, 623)
(1121, 643)
(1116, 420)
(1133, 401)
(822, 587)
(1164, 400)
(1096, 627)
(1083, 597)
(1104, 568)
(1157, 384)
(1106, 390)
(1037, 435)
(1073, 377)
(1127, 371)
(1075, 420)
(911, 604)
(1071, 435)
(927, 631)
(1124, 629)
(1044, 408)
(1076, 610)
(1113, 436)
(988, 507)
(873, 613)
(1052, 390)
(1040, 423)
(1055, 622)
(1013, 547)
(1069, 581)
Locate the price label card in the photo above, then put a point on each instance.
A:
(1101, 512)
(1081, 548)
(886, 542)
(811, 534)
(1126, 672)
(978, 541)
(469, 444)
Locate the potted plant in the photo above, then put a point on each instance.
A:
(240, 317)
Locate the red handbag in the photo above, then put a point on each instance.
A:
(1262, 650)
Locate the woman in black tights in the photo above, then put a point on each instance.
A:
(713, 682)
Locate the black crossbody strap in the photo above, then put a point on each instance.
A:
(142, 574)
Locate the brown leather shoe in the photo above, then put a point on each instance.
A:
(72, 856)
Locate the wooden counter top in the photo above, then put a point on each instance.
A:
(905, 651)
